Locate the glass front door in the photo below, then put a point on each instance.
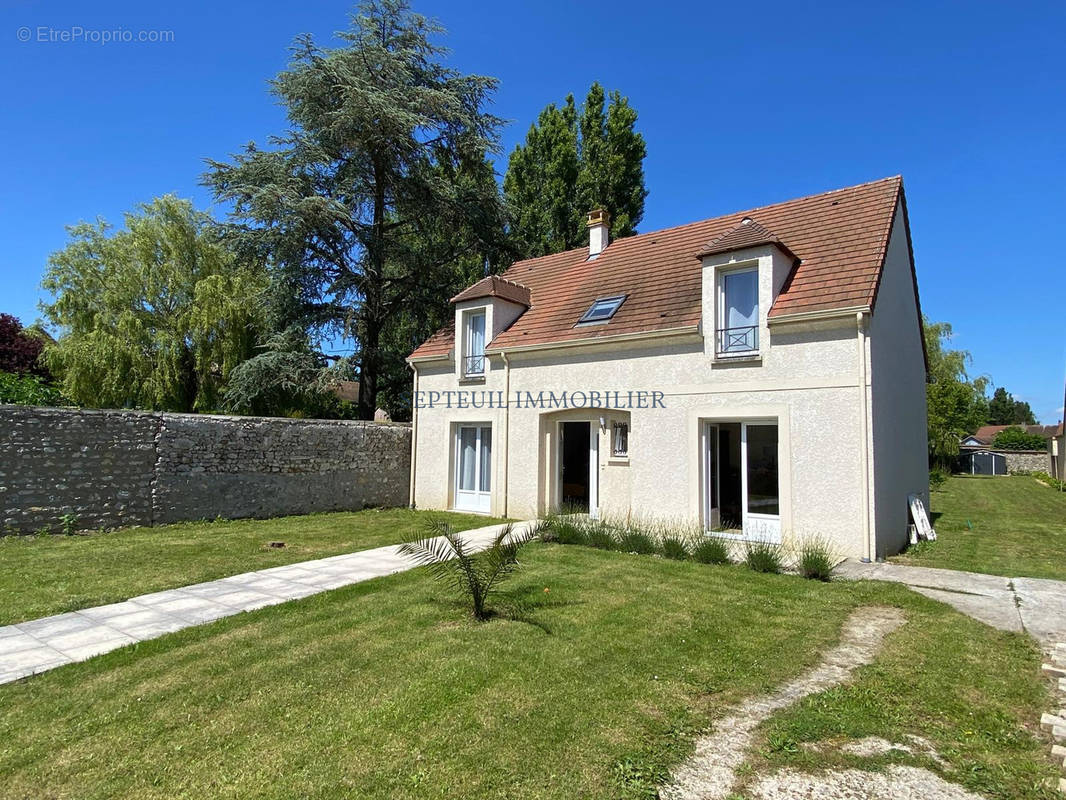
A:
(473, 468)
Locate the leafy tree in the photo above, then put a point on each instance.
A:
(153, 316)
(386, 149)
(956, 403)
(1016, 438)
(1003, 409)
(28, 390)
(570, 164)
(21, 348)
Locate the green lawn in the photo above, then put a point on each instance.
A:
(1008, 525)
(41, 575)
(387, 689)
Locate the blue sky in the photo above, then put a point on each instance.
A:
(740, 106)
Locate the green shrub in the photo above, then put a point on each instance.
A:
(600, 535)
(816, 559)
(636, 540)
(938, 476)
(762, 556)
(711, 550)
(1016, 438)
(674, 547)
(569, 531)
(69, 524)
(28, 390)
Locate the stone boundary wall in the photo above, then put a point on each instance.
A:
(112, 469)
(1026, 460)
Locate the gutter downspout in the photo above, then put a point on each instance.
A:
(506, 427)
(414, 434)
(869, 547)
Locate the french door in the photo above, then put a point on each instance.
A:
(741, 495)
(473, 468)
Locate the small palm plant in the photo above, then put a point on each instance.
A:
(474, 574)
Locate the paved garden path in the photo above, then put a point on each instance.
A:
(41, 644)
(1033, 605)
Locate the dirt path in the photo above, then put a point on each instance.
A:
(709, 773)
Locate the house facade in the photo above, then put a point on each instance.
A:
(761, 374)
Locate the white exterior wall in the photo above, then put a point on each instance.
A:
(899, 448)
(807, 381)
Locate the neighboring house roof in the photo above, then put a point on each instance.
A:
(495, 286)
(986, 433)
(748, 233)
(840, 238)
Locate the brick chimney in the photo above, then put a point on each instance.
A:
(599, 228)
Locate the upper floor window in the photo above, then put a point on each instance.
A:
(738, 312)
(474, 343)
(603, 309)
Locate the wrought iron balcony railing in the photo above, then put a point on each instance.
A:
(734, 341)
(474, 365)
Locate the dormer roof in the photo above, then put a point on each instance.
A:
(747, 233)
(495, 286)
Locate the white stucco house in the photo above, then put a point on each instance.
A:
(760, 373)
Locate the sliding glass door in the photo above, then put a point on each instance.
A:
(473, 468)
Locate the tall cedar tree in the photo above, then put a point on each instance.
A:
(1003, 409)
(153, 316)
(386, 149)
(570, 164)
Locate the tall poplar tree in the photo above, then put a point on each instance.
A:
(570, 164)
(386, 148)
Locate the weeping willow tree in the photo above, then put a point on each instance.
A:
(155, 315)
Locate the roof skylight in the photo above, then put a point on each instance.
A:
(603, 309)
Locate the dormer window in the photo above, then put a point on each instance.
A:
(602, 309)
(738, 312)
(474, 344)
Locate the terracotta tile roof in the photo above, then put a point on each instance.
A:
(986, 433)
(840, 238)
(495, 286)
(748, 233)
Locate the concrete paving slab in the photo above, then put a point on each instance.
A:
(16, 644)
(1042, 605)
(999, 612)
(93, 636)
(56, 625)
(30, 659)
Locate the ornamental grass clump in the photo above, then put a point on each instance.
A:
(711, 550)
(816, 559)
(600, 534)
(762, 556)
(633, 539)
(674, 546)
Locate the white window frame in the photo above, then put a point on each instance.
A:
(615, 431)
(720, 280)
(754, 526)
(475, 500)
(468, 336)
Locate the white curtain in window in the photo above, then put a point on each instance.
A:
(476, 335)
(486, 449)
(467, 458)
(741, 299)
